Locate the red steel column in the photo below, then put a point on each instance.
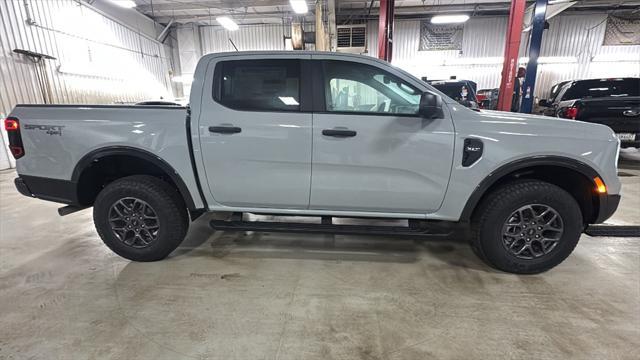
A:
(385, 30)
(512, 46)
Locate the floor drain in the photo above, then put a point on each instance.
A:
(613, 230)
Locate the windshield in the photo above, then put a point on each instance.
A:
(602, 88)
(555, 90)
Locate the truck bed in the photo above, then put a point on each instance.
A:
(57, 138)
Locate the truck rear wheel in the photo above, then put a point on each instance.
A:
(526, 227)
(140, 218)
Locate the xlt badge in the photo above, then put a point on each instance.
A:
(472, 151)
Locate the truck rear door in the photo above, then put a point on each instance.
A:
(255, 131)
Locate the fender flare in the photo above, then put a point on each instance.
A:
(506, 169)
(95, 155)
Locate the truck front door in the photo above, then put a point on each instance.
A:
(255, 134)
(372, 152)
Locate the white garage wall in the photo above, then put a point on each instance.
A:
(578, 35)
(99, 60)
(251, 37)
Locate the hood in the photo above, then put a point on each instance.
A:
(544, 125)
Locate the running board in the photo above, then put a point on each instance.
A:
(613, 230)
(326, 227)
(70, 209)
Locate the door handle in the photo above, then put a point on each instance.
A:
(225, 129)
(339, 133)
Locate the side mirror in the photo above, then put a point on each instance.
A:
(544, 103)
(431, 106)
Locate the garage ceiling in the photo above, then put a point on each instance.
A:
(274, 11)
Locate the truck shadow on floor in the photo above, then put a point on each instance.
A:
(451, 250)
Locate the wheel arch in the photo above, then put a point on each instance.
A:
(572, 175)
(92, 166)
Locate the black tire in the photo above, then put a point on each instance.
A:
(161, 198)
(498, 207)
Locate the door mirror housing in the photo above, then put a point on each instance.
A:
(431, 106)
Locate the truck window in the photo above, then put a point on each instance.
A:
(356, 87)
(269, 85)
(602, 88)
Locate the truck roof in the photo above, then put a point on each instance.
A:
(301, 53)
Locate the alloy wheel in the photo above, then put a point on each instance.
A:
(532, 231)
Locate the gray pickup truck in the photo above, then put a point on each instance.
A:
(323, 135)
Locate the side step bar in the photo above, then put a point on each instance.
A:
(326, 227)
(613, 230)
(70, 209)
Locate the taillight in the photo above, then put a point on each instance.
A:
(12, 125)
(571, 113)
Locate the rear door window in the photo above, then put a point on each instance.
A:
(258, 85)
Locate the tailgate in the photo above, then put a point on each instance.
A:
(620, 114)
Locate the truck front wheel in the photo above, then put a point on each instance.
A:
(140, 218)
(526, 227)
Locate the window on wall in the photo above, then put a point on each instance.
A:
(269, 85)
(356, 87)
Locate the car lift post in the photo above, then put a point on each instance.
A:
(385, 30)
(535, 43)
(512, 46)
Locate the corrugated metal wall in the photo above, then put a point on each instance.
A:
(98, 59)
(578, 35)
(572, 35)
(251, 37)
(483, 37)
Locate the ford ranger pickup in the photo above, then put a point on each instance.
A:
(323, 135)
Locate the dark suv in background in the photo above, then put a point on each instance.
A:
(462, 91)
(612, 102)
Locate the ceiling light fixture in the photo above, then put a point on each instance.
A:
(299, 6)
(227, 23)
(129, 4)
(449, 19)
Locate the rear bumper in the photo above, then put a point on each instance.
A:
(56, 190)
(626, 144)
(22, 187)
(608, 206)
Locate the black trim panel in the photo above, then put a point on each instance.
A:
(504, 170)
(608, 206)
(193, 158)
(56, 190)
(95, 155)
(306, 86)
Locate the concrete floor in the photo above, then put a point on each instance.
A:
(64, 295)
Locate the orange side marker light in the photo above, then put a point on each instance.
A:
(600, 186)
